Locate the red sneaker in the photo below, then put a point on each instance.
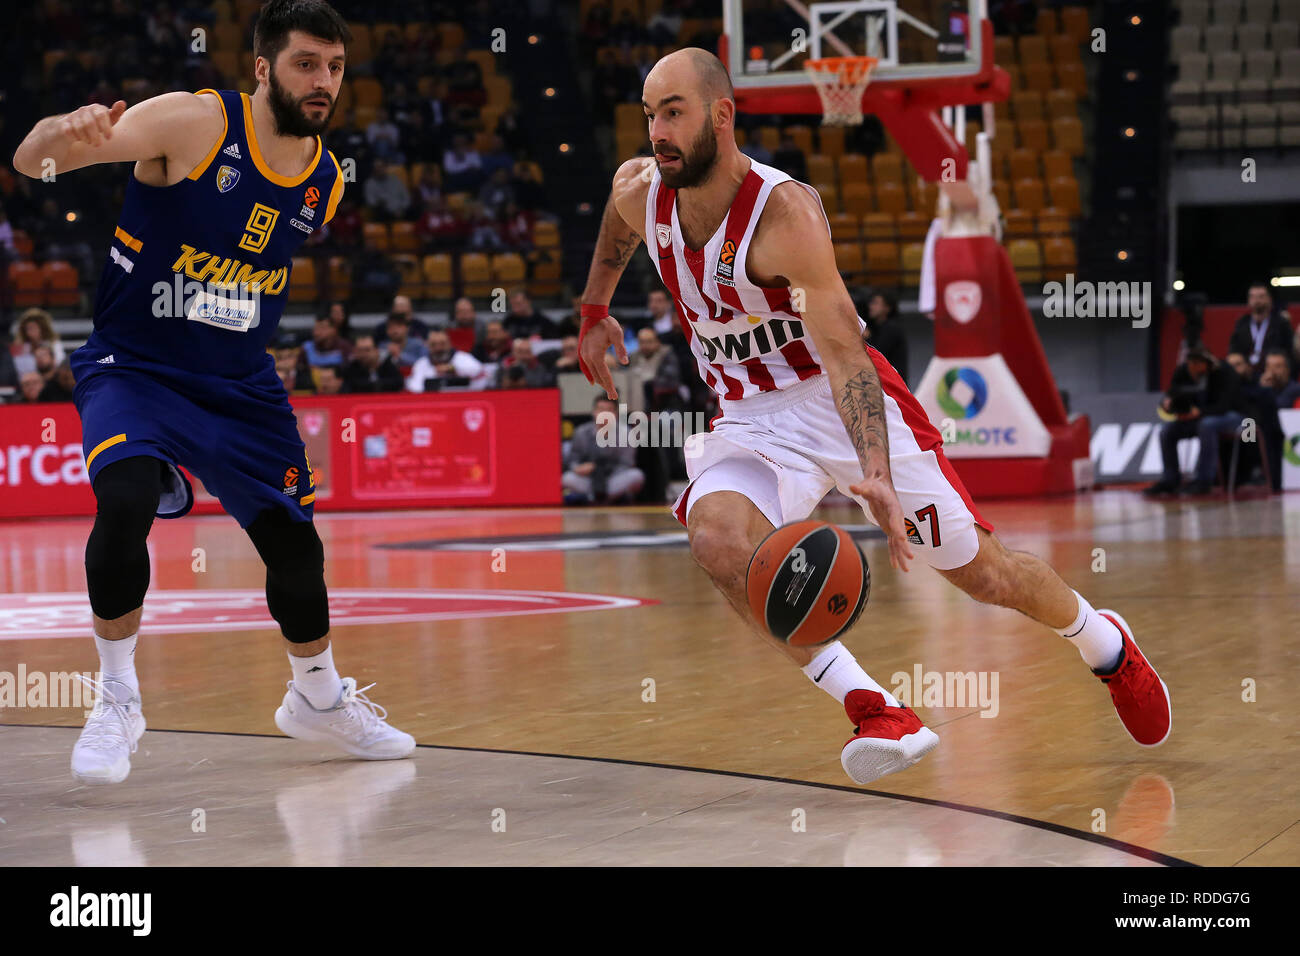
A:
(1141, 698)
(887, 739)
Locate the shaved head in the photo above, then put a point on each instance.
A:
(698, 71)
(690, 105)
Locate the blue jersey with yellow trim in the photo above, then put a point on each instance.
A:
(198, 272)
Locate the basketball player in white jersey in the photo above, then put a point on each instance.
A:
(746, 253)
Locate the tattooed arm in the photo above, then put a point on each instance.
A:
(617, 241)
(792, 247)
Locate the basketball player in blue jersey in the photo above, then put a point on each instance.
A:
(226, 187)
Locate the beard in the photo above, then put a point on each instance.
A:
(290, 119)
(697, 164)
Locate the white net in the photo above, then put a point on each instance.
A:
(840, 82)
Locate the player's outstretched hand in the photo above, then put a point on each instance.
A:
(592, 346)
(93, 124)
(888, 515)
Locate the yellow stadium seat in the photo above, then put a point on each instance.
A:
(1067, 131)
(891, 198)
(848, 259)
(476, 274)
(402, 237)
(375, 236)
(880, 226)
(1028, 195)
(844, 227)
(1024, 163)
(1058, 258)
(302, 280)
(1027, 259)
(436, 270)
(882, 262)
(1064, 193)
(62, 287)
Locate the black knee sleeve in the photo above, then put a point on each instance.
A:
(295, 574)
(117, 561)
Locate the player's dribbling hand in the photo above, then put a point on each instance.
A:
(92, 124)
(592, 347)
(888, 515)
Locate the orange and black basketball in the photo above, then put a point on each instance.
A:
(807, 583)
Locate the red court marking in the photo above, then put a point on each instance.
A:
(67, 614)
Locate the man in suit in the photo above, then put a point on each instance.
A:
(1260, 329)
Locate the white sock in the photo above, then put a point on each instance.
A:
(117, 661)
(1098, 640)
(840, 673)
(316, 679)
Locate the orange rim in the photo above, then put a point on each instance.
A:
(849, 68)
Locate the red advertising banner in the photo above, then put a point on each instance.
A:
(367, 452)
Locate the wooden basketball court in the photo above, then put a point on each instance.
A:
(657, 730)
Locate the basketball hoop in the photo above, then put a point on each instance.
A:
(841, 81)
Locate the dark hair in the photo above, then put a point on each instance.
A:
(891, 303)
(313, 17)
(1258, 285)
(1281, 352)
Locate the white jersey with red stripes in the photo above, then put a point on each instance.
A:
(746, 338)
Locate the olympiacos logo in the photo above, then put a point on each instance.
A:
(962, 300)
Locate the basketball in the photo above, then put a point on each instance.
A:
(807, 583)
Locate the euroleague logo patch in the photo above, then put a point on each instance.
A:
(36, 616)
(726, 264)
(291, 480)
(312, 197)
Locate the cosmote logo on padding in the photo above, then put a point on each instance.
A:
(962, 392)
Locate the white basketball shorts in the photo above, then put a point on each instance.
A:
(786, 450)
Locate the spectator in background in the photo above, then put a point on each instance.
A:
(497, 193)
(885, 331)
(462, 167)
(401, 346)
(339, 318)
(655, 367)
(387, 195)
(484, 232)
(445, 362)
(565, 360)
(1239, 364)
(517, 228)
(1260, 329)
(1277, 379)
(329, 380)
(438, 229)
(419, 140)
(31, 384)
(401, 305)
(349, 140)
(524, 321)
(385, 139)
(370, 371)
(497, 157)
(428, 187)
(35, 327)
(43, 357)
(495, 345)
(536, 375)
(596, 471)
(660, 308)
(464, 330)
(59, 386)
(790, 160)
(527, 180)
(326, 346)
(346, 226)
(509, 131)
(290, 366)
(1206, 396)
(665, 24)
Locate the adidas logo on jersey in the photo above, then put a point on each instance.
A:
(106, 360)
(232, 150)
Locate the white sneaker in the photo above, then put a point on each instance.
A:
(356, 724)
(102, 754)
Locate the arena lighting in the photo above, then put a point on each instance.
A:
(70, 216)
(532, 39)
(1122, 255)
(1179, 285)
(1131, 76)
(1135, 20)
(564, 147)
(550, 91)
(1285, 281)
(1129, 132)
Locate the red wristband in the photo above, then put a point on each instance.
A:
(592, 315)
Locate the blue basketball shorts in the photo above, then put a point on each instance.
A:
(239, 436)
